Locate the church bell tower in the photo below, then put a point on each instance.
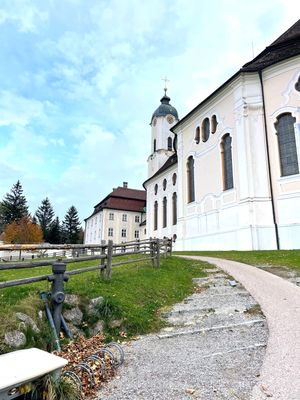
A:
(162, 139)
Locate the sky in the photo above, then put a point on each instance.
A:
(80, 79)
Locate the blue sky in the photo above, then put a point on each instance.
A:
(79, 80)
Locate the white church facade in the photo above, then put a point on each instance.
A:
(226, 176)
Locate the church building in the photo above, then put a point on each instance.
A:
(226, 176)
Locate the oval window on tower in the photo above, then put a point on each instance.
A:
(155, 189)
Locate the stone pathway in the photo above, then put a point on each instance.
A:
(280, 303)
(212, 348)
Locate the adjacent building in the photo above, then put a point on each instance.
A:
(120, 216)
(226, 176)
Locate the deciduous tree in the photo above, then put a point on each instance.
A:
(23, 231)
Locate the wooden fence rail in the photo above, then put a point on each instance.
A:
(151, 248)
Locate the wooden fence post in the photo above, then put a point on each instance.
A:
(157, 253)
(151, 245)
(109, 258)
(102, 260)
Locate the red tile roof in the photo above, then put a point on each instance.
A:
(122, 198)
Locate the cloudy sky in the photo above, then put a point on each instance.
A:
(79, 80)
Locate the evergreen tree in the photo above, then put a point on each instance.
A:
(13, 206)
(71, 226)
(45, 215)
(55, 233)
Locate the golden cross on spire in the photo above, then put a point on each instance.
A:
(165, 79)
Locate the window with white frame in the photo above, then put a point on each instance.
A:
(123, 234)
(124, 217)
(111, 216)
(137, 218)
(110, 232)
(136, 234)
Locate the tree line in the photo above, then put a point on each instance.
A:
(18, 226)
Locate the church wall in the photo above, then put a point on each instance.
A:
(239, 218)
(281, 97)
(170, 229)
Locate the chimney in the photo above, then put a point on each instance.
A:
(125, 185)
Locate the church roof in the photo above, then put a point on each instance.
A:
(122, 198)
(284, 47)
(168, 164)
(165, 108)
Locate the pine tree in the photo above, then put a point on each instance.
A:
(45, 215)
(55, 233)
(13, 206)
(71, 226)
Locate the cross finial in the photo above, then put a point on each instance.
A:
(165, 79)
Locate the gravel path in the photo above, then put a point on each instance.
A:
(280, 303)
(212, 349)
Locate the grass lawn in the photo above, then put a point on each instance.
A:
(135, 293)
(276, 258)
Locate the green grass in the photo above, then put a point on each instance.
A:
(135, 293)
(275, 258)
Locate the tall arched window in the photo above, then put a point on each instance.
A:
(154, 145)
(287, 144)
(164, 212)
(197, 135)
(205, 129)
(226, 153)
(174, 208)
(155, 215)
(190, 180)
(170, 144)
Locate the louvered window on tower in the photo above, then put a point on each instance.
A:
(287, 144)
(226, 152)
(170, 143)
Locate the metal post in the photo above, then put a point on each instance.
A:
(57, 292)
(109, 258)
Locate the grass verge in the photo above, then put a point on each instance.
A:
(275, 258)
(134, 295)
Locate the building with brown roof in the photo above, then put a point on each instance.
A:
(119, 216)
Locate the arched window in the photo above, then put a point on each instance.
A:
(197, 135)
(164, 184)
(287, 144)
(190, 180)
(154, 145)
(170, 144)
(297, 86)
(205, 129)
(174, 208)
(174, 179)
(214, 124)
(164, 212)
(155, 215)
(155, 188)
(226, 154)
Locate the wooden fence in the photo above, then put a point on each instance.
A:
(149, 249)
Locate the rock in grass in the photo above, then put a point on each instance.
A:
(74, 316)
(15, 339)
(72, 300)
(94, 304)
(98, 328)
(27, 321)
(115, 323)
